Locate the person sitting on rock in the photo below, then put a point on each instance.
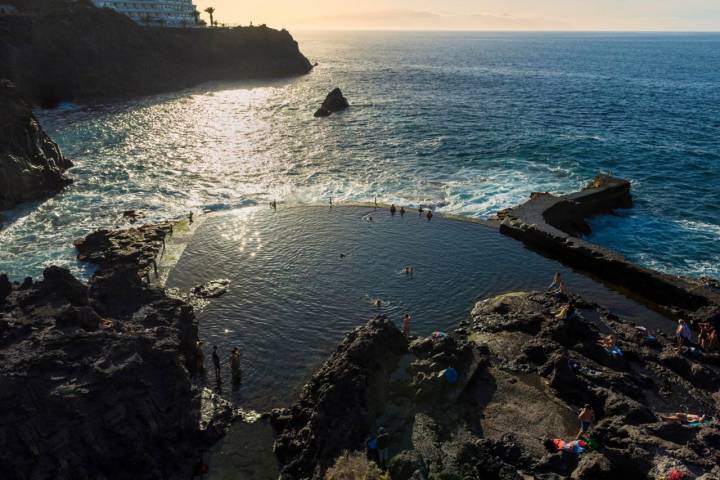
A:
(607, 342)
(683, 418)
(683, 333)
(586, 419)
(708, 336)
(566, 312)
(382, 445)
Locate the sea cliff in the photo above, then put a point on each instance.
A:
(31, 164)
(62, 50)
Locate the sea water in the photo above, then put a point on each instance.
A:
(467, 123)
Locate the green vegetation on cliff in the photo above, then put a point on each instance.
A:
(72, 50)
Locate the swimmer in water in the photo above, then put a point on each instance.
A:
(378, 303)
(429, 215)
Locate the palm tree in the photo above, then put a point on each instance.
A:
(210, 11)
(196, 14)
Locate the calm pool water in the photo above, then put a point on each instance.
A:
(303, 277)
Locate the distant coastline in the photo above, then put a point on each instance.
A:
(76, 52)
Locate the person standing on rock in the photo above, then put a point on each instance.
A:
(382, 446)
(586, 418)
(683, 333)
(216, 362)
(199, 358)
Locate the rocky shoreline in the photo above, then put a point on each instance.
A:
(524, 372)
(96, 378)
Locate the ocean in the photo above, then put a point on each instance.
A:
(468, 123)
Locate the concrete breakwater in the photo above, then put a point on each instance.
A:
(553, 224)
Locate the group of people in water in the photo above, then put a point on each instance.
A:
(707, 340)
(393, 210)
(233, 361)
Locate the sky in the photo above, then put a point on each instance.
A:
(677, 15)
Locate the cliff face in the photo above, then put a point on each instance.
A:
(31, 165)
(72, 50)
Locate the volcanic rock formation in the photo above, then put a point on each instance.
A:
(334, 102)
(95, 378)
(31, 165)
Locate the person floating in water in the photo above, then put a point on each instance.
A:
(406, 325)
(392, 209)
(402, 211)
(378, 303)
(216, 363)
(586, 419)
(235, 364)
(429, 215)
(408, 270)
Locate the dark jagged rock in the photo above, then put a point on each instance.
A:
(211, 289)
(31, 165)
(333, 103)
(524, 371)
(552, 224)
(66, 50)
(95, 380)
(337, 405)
(627, 394)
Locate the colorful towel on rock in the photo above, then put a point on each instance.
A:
(576, 446)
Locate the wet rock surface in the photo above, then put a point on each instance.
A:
(211, 289)
(333, 103)
(336, 407)
(31, 164)
(96, 378)
(553, 224)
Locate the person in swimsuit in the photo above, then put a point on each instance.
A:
(406, 325)
(683, 333)
(680, 417)
(586, 419)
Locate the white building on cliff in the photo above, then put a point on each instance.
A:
(171, 13)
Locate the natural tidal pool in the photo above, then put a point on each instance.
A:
(303, 277)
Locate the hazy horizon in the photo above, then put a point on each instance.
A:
(464, 15)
